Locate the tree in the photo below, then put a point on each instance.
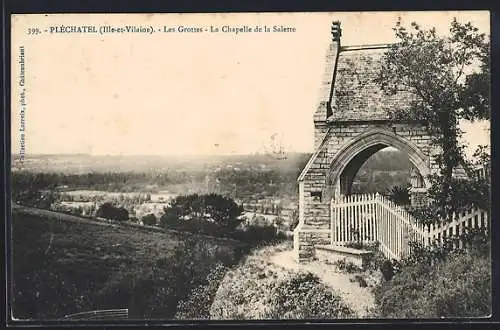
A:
(202, 209)
(171, 216)
(105, 211)
(109, 211)
(121, 214)
(294, 219)
(279, 222)
(449, 78)
(149, 220)
(400, 194)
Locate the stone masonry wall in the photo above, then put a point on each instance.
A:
(315, 200)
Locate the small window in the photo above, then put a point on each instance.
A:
(317, 195)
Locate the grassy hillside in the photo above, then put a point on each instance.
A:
(62, 267)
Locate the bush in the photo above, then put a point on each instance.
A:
(259, 235)
(242, 293)
(109, 211)
(459, 286)
(256, 290)
(220, 210)
(149, 220)
(197, 304)
(181, 281)
(303, 296)
(473, 239)
(361, 280)
(387, 270)
(348, 266)
(400, 194)
(352, 268)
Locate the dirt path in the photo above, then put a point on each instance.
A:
(358, 298)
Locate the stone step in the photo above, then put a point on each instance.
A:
(333, 253)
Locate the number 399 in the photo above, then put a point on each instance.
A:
(34, 31)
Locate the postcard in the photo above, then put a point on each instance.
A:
(250, 166)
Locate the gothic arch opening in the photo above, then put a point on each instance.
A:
(348, 161)
(379, 169)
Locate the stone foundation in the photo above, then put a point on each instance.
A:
(305, 240)
(332, 254)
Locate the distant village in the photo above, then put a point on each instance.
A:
(265, 211)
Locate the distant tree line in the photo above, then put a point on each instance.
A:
(245, 182)
(109, 181)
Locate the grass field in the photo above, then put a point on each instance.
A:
(62, 266)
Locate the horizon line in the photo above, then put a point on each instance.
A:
(156, 155)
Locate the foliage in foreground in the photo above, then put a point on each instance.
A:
(259, 290)
(197, 304)
(456, 287)
(439, 281)
(303, 296)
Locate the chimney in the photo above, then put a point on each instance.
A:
(336, 32)
(324, 109)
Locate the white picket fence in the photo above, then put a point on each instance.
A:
(372, 217)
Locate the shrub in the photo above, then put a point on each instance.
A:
(197, 304)
(149, 220)
(400, 195)
(242, 294)
(459, 286)
(303, 296)
(375, 260)
(340, 263)
(259, 235)
(109, 211)
(348, 266)
(221, 210)
(475, 240)
(351, 267)
(64, 267)
(360, 279)
(159, 291)
(387, 270)
(256, 291)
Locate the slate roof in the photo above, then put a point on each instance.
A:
(356, 97)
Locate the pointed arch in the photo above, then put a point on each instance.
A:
(349, 158)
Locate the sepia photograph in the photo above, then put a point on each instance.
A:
(250, 166)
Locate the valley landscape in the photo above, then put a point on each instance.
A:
(325, 173)
(79, 260)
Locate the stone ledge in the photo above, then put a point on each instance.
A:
(343, 249)
(334, 253)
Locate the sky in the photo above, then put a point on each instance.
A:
(187, 93)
